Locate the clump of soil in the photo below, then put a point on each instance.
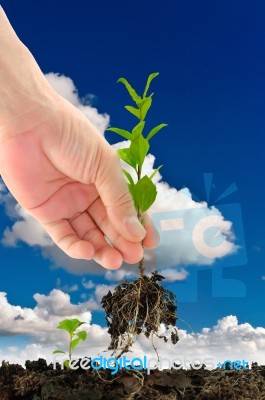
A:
(41, 382)
(139, 307)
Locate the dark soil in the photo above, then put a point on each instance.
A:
(40, 382)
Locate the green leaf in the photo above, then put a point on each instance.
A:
(149, 80)
(138, 129)
(82, 335)
(74, 343)
(125, 155)
(146, 104)
(70, 325)
(155, 171)
(136, 98)
(58, 352)
(155, 130)
(66, 364)
(133, 110)
(121, 132)
(128, 176)
(144, 194)
(139, 148)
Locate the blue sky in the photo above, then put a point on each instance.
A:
(211, 92)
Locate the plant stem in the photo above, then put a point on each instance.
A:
(70, 349)
(141, 268)
(141, 263)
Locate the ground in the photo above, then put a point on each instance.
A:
(41, 382)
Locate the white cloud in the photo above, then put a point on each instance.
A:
(120, 274)
(228, 339)
(8, 201)
(66, 288)
(172, 275)
(88, 284)
(27, 230)
(41, 320)
(102, 290)
(66, 88)
(99, 291)
(71, 265)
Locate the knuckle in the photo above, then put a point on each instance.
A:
(92, 234)
(124, 201)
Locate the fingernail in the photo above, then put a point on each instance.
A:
(135, 227)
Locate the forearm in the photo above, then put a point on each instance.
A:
(23, 87)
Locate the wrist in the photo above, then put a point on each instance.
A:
(24, 90)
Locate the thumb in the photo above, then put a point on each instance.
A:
(115, 195)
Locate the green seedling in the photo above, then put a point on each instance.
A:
(142, 189)
(143, 305)
(71, 326)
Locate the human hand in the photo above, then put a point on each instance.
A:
(65, 174)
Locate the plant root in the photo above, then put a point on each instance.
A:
(139, 307)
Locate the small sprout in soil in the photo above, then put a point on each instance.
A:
(71, 326)
(143, 305)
